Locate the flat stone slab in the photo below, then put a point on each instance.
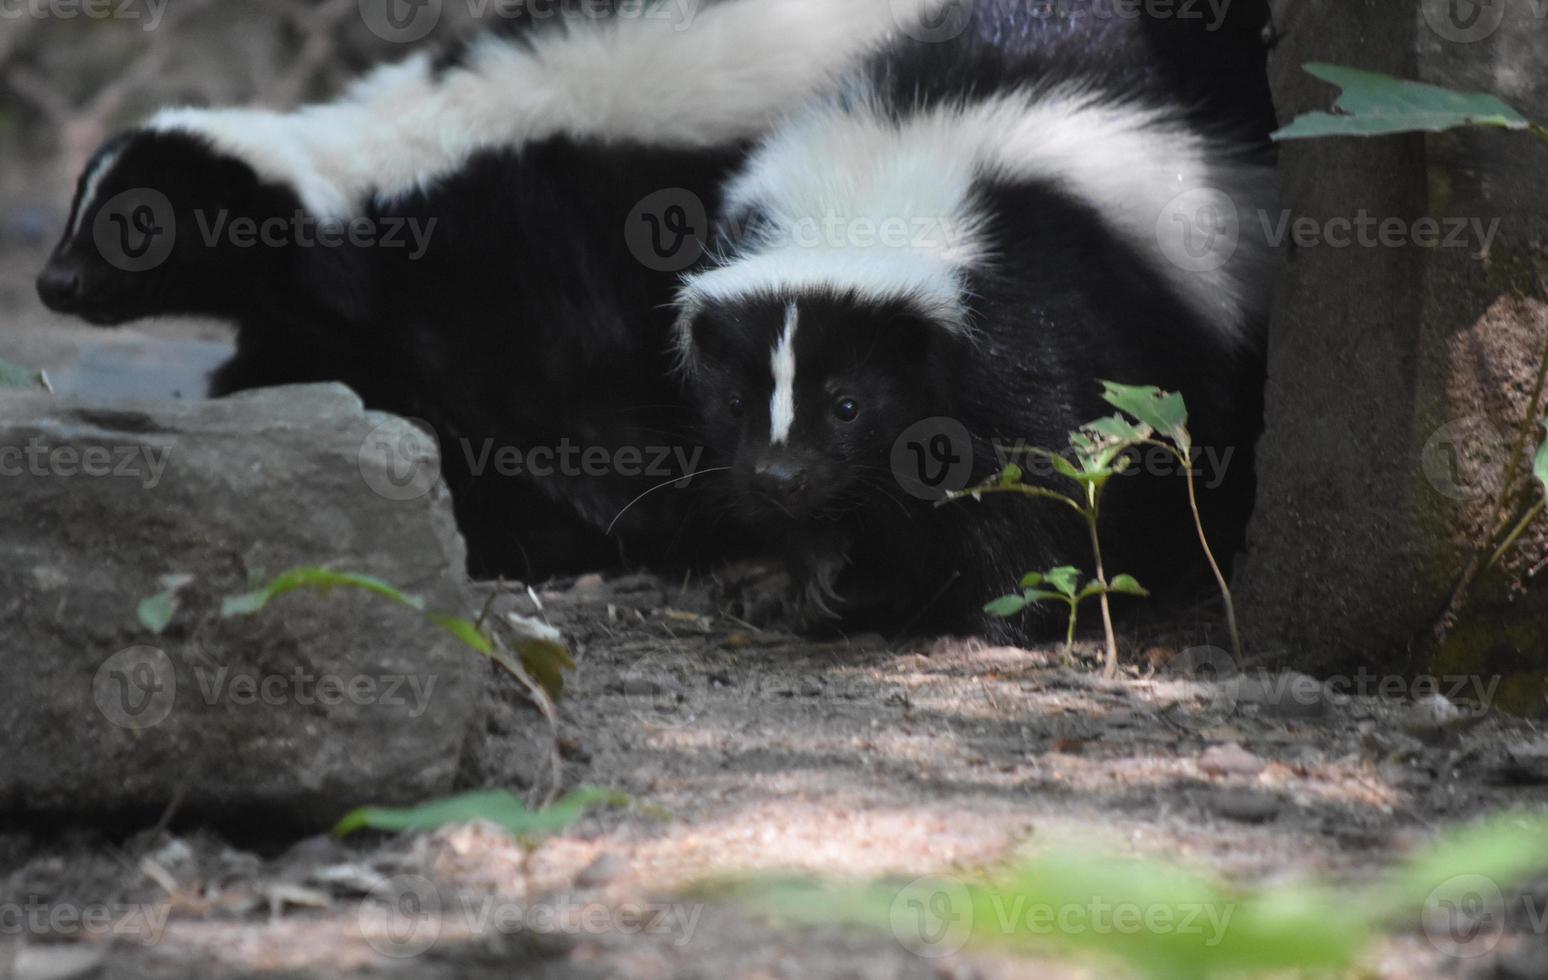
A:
(286, 718)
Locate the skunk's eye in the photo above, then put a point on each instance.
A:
(736, 406)
(846, 409)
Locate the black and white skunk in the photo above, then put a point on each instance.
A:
(491, 289)
(977, 231)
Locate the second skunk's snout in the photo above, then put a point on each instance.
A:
(61, 284)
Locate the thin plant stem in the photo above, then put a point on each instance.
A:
(1517, 531)
(1069, 634)
(1209, 555)
(1110, 665)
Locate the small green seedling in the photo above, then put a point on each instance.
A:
(1098, 449)
(1060, 585)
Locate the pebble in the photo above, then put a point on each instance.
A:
(1245, 806)
(607, 868)
(1230, 760)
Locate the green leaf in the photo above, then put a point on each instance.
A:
(321, 579)
(544, 657)
(1127, 585)
(1042, 595)
(1163, 411)
(156, 612)
(1007, 606)
(1031, 580)
(1117, 429)
(1540, 467)
(1373, 104)
(500, 807)
(1065, 578)
(546, 662)
(1010, 476)
(16, 376)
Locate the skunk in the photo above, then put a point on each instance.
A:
(939, 261)
(479, 275)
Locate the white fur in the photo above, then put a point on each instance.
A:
(724, 73)
(783, 364)
(89, 187)
(848, 166)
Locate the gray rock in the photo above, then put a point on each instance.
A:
(284, 719)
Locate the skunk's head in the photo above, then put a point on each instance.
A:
(139, 242)
(805, 395)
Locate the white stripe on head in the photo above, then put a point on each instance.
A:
(783, 361)
(89, 190)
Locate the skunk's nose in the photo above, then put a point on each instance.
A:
(779, 479)
(59, 286)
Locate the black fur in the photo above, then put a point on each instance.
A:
(527, 322)
(1063, 303)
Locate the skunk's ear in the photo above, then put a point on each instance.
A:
(913, 337)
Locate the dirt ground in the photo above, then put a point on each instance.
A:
(750, 751)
